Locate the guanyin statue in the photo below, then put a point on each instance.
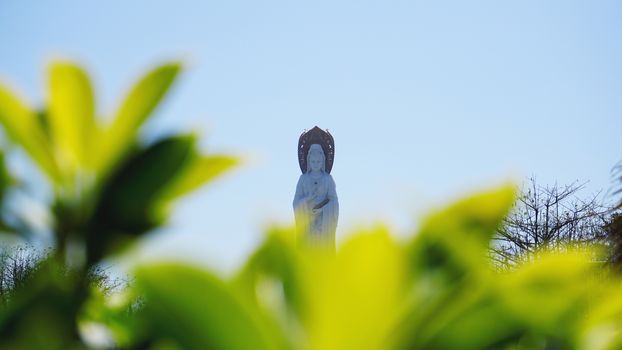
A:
(316, 207)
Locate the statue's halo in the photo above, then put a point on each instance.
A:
(320, 137)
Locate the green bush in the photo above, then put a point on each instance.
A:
(435, 290)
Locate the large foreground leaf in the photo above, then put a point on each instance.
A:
(135, 109)
(198, 311)
(275, 269)
(200, 170)
(130, 198)
(72, 114)
(22, 126)
(450, 270)
(357, 296)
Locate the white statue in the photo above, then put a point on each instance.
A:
(316, 206)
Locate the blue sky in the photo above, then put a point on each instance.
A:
(427, 101)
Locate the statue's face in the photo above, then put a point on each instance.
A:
(315, 162)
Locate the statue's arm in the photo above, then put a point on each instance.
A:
(334, 203)
(332, 190)
(299, 193)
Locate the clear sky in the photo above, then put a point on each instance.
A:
(427, 101)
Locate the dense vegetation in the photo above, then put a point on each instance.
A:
(436, 290)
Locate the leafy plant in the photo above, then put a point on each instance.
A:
(435, 290)
(108, 188)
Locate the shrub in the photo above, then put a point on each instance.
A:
(436, 290)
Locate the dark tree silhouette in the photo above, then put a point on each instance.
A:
(19, 265)
(614, 231)
(552, 217)
(617, 176)
(614, 227)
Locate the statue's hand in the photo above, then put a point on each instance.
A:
(317, 211)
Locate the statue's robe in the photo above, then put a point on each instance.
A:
(316, 230)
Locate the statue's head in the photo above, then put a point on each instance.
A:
(316, 158)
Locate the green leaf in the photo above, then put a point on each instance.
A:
(474, 321)
(475, 217)
(201, 170)
(22, 126)
(275, 265)
(456, 239)
(357, 296)
(129, 199)
(554, 275)
(600, 329)
(71, 114)
(199, 311)
(139, 183)
(135, 109)
(6, 180)
(447, 258)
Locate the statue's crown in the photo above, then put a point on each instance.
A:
(320, 137)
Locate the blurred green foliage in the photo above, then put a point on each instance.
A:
(435, 290)
(109, 188)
